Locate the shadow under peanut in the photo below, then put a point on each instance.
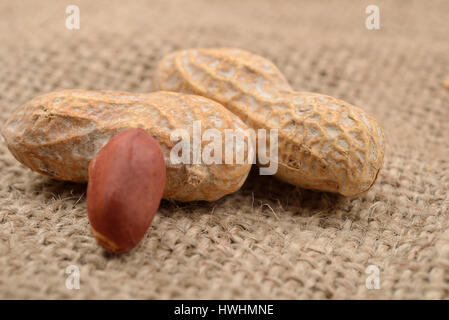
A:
(268, 189)
(258, 192)
(49, 189)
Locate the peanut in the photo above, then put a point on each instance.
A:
(324, 143)
(446, 82)
(126, 181)
(59, 133)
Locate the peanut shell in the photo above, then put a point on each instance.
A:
(59, 133)
(324, 143)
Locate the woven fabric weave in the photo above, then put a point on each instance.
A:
(269, 240)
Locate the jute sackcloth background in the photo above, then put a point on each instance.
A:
(270, 239)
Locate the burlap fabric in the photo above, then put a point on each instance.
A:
(270, 239)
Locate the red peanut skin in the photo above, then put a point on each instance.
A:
(126, 182)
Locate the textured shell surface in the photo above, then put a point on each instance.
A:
(59, 133)
(327, 144)
(324, 143)
(224, 74)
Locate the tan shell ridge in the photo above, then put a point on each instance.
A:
(324, 143)
(58, 133)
